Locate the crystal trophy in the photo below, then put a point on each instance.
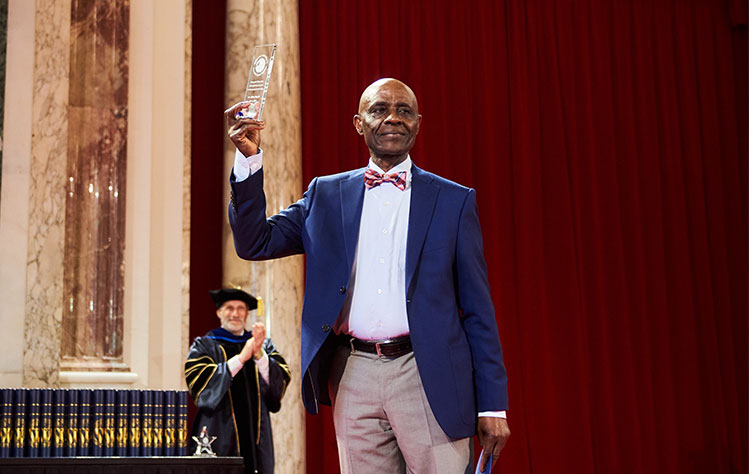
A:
(257, 82)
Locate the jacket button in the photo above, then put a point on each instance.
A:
(325, 328)
(342, 290)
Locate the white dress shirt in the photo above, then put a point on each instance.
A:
(375, 306)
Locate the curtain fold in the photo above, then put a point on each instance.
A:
(607, 142)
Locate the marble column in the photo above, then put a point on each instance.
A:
(278, 282)
(92, 322)
(46, 225)
(186, 190)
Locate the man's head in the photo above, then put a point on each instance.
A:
(232, 308)
(389, 120)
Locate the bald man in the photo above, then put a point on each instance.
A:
(398, 326)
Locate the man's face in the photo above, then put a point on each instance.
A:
(233, 314)
(388, 119)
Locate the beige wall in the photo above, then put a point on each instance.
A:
(14, 200)
(32, 202)
(154, 314)
(32, 205)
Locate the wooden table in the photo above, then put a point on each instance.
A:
(122, 465)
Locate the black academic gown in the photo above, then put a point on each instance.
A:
(235, 410)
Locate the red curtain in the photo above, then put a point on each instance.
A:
(607, 142)
(208, 201)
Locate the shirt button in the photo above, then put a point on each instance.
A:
(382, 260)
(386, 203)
(379, 324)
(384, 231)
(379, 291)
(342, 289)
(325, 328)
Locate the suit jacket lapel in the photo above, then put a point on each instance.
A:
(423, 201)
(352, 197)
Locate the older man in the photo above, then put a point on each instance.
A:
(398, 326)
(234, 375)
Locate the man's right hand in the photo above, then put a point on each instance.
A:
(244, 133)
(248, 350)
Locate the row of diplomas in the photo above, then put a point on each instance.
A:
(99, 422)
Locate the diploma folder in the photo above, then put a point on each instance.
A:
(488, 465)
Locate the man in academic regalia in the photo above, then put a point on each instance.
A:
(234, 375)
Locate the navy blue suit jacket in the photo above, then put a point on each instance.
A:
(450, 312)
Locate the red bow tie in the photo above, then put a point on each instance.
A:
(372, 179)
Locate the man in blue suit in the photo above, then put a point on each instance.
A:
(398, 326)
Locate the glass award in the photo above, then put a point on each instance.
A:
(257, 82)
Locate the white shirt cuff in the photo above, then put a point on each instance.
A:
(244, 166)
(235, 365)
(262, 366)
(494, 414)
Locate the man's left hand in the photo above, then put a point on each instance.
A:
(493, 433)
(258, 334)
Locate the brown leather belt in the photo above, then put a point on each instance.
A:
(391, 348)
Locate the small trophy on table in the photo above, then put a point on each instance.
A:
(257, 82)
(204, 444)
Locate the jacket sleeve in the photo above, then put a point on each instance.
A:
(476, 305)
(257, 237)
(279, 377)
(206, 373)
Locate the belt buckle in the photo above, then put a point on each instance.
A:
(379, 352)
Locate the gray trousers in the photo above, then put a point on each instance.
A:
(383, 421)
